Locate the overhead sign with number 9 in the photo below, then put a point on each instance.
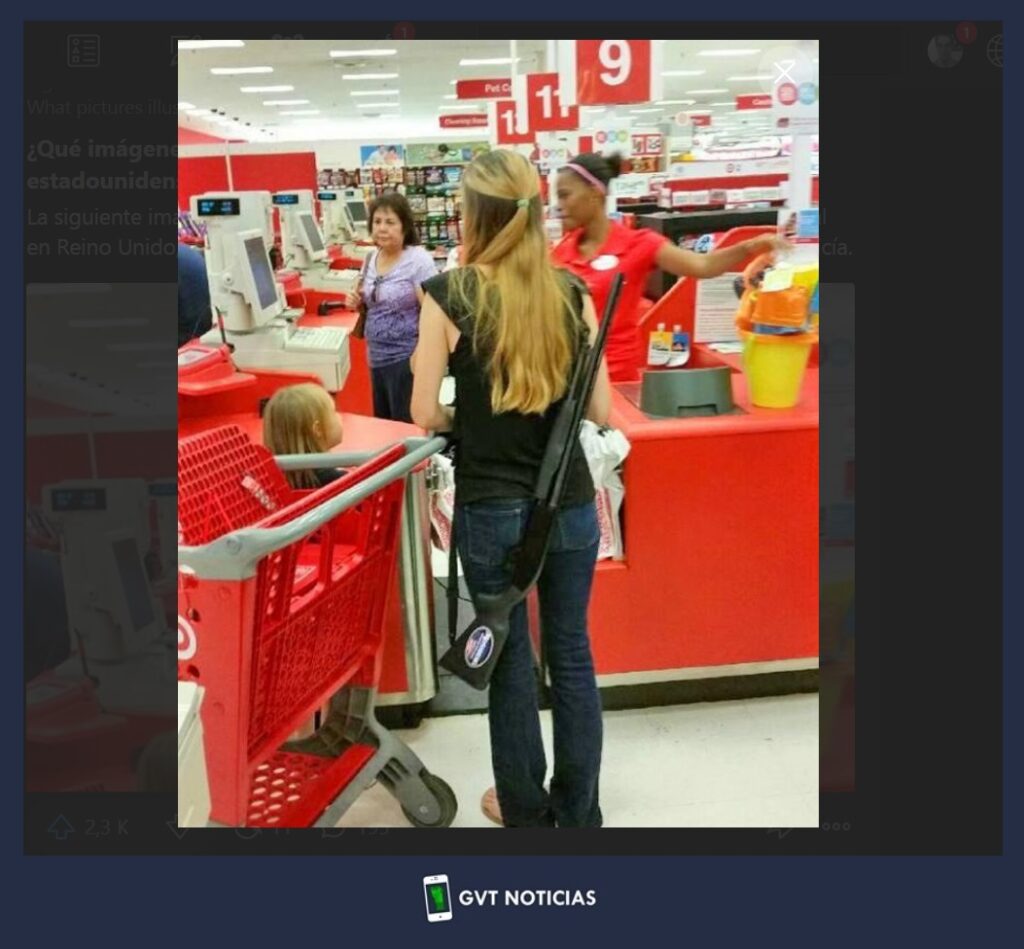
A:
(610, 72)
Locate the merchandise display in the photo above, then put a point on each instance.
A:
(435, 199)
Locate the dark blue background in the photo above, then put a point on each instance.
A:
(672, 900)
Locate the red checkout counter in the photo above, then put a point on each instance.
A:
(357, 394)
(211, 392)
(720, 532)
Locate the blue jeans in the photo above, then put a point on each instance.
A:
(486, 532)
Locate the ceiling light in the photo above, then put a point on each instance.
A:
(749, 79)
(300, 112)
(497, 61)
(644, 111)
(452, 96)
(356, 77)
(453, 108)
(286, 102)
(684, 72)
(675, 102)
(198, 112)
(355, 53)
(185, 105)
(706, 92)
(240, 70)
(210, 44)
(728, 52)
(376, 105)
(454, 82)
(268, 88)
(374, 92)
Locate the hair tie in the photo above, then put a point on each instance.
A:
(523, 203)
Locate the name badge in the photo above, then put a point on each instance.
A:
(605, 262)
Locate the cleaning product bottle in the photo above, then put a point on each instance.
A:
(659, 348)
(680, 354)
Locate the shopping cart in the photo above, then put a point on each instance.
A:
(280, 609)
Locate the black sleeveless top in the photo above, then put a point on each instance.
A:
(499, 455)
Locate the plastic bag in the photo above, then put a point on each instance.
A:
(605, 450)
(441, 478)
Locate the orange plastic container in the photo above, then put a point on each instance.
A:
(782, 307)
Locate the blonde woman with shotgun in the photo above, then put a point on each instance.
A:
(509, 326)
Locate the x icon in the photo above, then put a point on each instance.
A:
(783, 69)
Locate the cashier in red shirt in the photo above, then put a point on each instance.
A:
(595, 249)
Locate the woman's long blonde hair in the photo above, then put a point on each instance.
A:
(290, 426)
(521, 308)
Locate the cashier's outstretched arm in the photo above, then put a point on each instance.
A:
(431, 360)
(685, 263)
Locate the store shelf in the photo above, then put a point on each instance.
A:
(741, 206)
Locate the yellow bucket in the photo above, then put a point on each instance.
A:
(774, 366)
(806, 276)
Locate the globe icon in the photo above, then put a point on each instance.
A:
(995, 50)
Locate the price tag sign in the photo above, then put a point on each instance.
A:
(647, 144)
(508, 127)
(612, 136)
(546, 112)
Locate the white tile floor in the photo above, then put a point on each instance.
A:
(751, 763)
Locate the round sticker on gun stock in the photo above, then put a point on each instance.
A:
(479, 647)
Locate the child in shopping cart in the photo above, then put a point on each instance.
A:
(301, 420)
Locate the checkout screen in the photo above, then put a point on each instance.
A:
(218, 207)
(78, 499)
(312, 234)
(259, 264)
(133, 582)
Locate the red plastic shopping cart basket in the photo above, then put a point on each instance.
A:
(280, 609)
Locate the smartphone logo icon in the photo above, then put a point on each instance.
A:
(438, 898)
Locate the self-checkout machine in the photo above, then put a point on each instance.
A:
(253, 319)
(335, 218)
(89, 717)
(305, 245)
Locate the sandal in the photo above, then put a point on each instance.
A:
(489, 805)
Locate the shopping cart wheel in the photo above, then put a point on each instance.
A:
(445, 798)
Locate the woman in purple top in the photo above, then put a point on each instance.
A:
(392, 293)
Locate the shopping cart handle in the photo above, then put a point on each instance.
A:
(339, 459)
(347, 459)
(235, 556)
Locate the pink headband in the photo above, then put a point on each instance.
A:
(587, 176)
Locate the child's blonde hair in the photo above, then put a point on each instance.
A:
(295, 422)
